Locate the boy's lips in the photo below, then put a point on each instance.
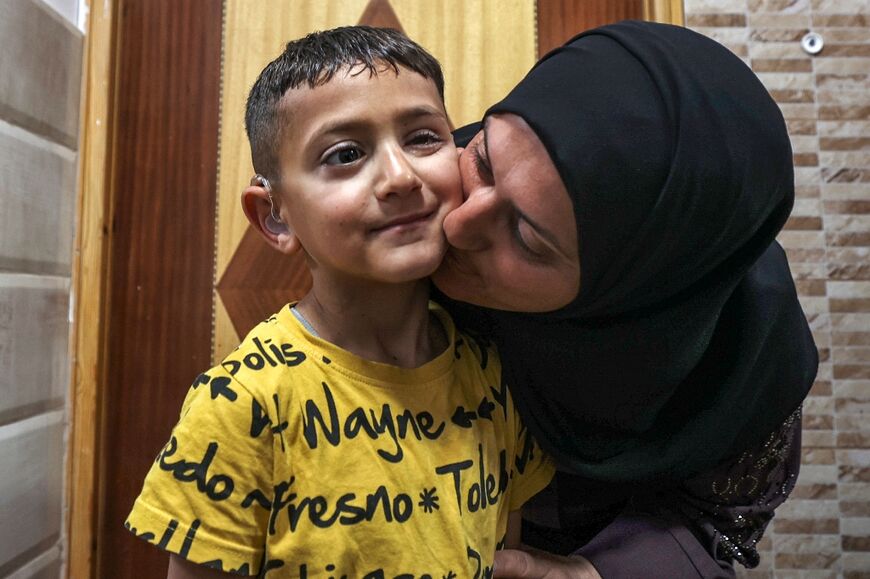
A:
(405, 221)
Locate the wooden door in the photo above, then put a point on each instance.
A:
(160, 265)
(171, 274)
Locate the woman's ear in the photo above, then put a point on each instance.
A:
(264, 217)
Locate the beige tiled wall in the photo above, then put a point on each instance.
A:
(40, 76)
(824, 530)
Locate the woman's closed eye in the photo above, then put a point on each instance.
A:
(529, 240)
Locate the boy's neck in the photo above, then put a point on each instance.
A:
(387, 323)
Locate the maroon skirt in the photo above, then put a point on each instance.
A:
(698, 528)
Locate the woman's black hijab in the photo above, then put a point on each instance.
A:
(686, 342)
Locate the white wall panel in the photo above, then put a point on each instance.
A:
(37, 189)
(45, 566)
(31, 452)
(34, 341)
(41, 67)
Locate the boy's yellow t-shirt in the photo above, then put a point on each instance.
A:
(295, 458)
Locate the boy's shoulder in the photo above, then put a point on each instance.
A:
(277, 344)
(469, 346)
(267, 351)
(479, 348)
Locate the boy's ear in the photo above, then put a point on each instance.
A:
(258, 209)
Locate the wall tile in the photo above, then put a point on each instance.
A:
(843, 97)
(847, 289)
(856, 526)
(783, 525)
(858, 563)
(780, 20)
(855, 492)
(778, 6)
(852, 17)
(841, 65)
(720, 19)
(776, 50)
(766, 65)
(715, 6)
(855, 389)
(806, 560)
(844, 35)
(841, 6)
(847, 190)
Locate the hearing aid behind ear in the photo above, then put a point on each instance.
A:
(273, 221)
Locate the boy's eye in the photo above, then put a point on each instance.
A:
(425, 139)
(344, 156)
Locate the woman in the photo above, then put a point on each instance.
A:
(618, 232)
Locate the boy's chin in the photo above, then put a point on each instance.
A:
(414, 269)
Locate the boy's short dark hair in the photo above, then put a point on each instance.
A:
(314, 60)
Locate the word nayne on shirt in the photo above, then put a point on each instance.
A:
(421, 424)
(376, 423)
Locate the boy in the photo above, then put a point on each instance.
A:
(354, 433)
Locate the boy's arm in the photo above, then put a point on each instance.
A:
(512, 537)
(202, 496)
(180, 568)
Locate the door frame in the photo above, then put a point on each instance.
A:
(90, 295)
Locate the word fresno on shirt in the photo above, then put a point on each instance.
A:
(295, 458)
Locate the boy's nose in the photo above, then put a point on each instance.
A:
(469, 226)
(398, 176)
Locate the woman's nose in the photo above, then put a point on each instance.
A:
(398, 176)
(471, 225)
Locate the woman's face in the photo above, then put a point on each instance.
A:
(513, 241)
